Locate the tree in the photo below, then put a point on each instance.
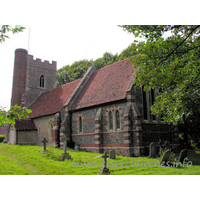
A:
(7, 28)
(172, 63)
(77, 70)
(16, 112)
(72, 72)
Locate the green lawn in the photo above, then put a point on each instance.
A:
(29, 160)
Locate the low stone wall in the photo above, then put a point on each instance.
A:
(27, 137)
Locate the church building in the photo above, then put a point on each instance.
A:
(101, 111)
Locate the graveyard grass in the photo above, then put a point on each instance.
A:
(29, 160)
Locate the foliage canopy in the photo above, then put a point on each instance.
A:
(173, 63)
(77, 70)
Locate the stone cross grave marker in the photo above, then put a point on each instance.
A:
(165, 158)
(112, 154)
(183, 155)
(152, 150)
(45, 144)
(104, 169)
(65, 155)
(65, 145)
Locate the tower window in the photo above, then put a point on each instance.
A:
(42, 81)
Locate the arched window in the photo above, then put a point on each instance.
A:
(80, 128)
(110, 120)
(42, 81)
(117, 120)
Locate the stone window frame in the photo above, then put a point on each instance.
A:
(42, 81)
(114, 110)
(115, 119)
(149, 104)
(110, 113)
(80, 116)
(50, 127)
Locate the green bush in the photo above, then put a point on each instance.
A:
(2, 138)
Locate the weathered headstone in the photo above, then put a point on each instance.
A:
(152, 150)
(65, 155)
(45, 144)
(77, 147)
(165, 158)
(112, 154)
(183, 155)
(104, 169)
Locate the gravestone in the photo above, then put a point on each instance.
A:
(152, 150)
(112, 154)
(104, 169)
(45, 144)
(165, 158)
(65, 155)
(183, 155)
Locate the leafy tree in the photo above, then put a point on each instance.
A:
(7, 28)
(72, 72)
(173, 63)
(77, 70)
(16, 112)
(130, 51)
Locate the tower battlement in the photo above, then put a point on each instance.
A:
(31, 77)
(39, 61)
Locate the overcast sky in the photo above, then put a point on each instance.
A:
(65, 45)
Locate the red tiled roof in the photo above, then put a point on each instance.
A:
(53, 101)
(2, 130)
(25, 124)
(105, 85)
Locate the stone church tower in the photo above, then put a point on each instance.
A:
(31, 78)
